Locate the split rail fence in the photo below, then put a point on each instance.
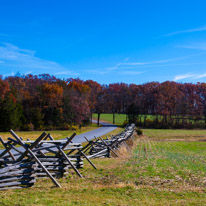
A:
(23, 162)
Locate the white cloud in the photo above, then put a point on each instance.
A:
(10, 74)
(16, 59)
(126, 59)
(183, 76)
(189, 76)
(30, 72)
(150, 63)
(126, 65)
(198, 46)
(130, 65)
(137, 65)
(198, 29)
(199, 76)
(114, 67)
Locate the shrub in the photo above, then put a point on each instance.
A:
(139, 131)
(74, 128)
(125, 123)
(28, 127)
(64, 126)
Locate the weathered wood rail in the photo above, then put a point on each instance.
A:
(49, 159)
(18, 175)
(104, 147)
(23, 162)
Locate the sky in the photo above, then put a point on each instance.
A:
(108, 41)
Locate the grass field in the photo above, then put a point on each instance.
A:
(174, 166)
(164, 167)
(119, 118)
(176, 134)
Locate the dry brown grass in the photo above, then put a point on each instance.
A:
(125, 150)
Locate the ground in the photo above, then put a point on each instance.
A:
(162, 167)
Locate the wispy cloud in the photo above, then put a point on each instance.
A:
(189, 76)
(197, 46)
(15, 59)
(150, 62)
(183, 76)
(135, 65)
(199, 76)
(29, 72)
(114, 67)
(126, 59)
(127, 66)
(10, 74)
(198, 29)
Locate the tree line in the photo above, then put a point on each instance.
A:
(39, 102)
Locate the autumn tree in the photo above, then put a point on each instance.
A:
(77, 100)
(51, 96)
(95, 88)
(10, 112)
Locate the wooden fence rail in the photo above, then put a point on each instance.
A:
(23, 162)
(104, 147)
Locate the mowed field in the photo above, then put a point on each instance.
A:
(171, 165)
(162, 167)
(119, 118)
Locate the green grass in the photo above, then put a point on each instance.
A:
(127, 195)
(175, 134)
(156, 171)
(119, 118)
(168, 165)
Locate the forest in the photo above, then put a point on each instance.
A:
(44, 102)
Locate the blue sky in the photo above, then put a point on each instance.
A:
(106, 41)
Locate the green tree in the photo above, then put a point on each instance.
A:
(11, 114)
